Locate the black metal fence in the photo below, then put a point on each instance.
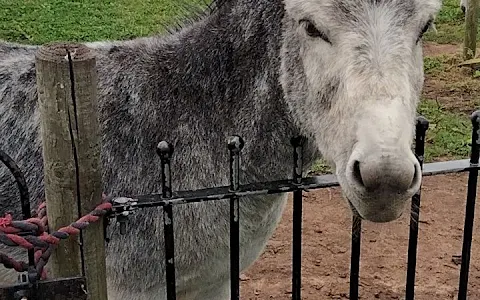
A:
(168, 199)
(297, 185)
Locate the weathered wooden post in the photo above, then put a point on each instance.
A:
(471, 23)
(67, 94)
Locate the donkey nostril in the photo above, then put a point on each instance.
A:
(416, 176)
(356, 173)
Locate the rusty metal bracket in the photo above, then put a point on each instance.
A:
(66, 288)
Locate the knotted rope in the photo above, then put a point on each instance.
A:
(32, 234)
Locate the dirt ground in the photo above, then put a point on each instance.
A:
(432, 49)
(453, 88)
(326, 250)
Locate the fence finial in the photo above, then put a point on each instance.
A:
(298, 143)
(422, 123)
(165, 151)
(475, 117)
(235, 143)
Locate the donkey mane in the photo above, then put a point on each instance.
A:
(194, 12)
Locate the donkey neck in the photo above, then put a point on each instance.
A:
(217, 77)
(231, 63)
(246, 44)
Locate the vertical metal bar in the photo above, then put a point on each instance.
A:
(20, 181)
(355, 257)
(165, 151)
(297, 143)
(470, 207)
(421, 130)
(235, 145)
(24, 195)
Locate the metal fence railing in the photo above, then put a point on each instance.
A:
(169, 199)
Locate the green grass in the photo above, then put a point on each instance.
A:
(449, 23)
(41, 21)
(447, 106)
(449, 133)
(320, 167)
(433, 65)
(448, 136)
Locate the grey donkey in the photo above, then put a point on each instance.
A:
(347, 74)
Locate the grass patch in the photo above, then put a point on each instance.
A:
(449, 23)
(448, 136)
(450, 95)
(455, 89)
(320, 167)
(433, 65)
(42, 21)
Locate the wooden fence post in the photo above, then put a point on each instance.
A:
(471, 23)
(67, 94)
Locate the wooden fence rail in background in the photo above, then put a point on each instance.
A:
(471, 24)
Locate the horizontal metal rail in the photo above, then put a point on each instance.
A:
(275, 187)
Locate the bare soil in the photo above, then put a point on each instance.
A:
(327, 229)
(453, 87)
(433, 49)
(326, 250)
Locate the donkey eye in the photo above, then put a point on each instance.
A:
(312, 31)
(425, 29)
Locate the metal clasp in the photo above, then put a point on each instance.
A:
(23, 294)
(123, 207)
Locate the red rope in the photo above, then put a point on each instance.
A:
(6, 221)
(41, 241)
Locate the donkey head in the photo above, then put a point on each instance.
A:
(352, 73)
